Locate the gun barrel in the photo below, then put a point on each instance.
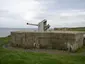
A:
(32, 24)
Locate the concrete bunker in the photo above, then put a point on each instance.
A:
(48, 40)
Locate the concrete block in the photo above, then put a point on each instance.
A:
(47, 40)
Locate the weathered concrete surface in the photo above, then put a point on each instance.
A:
(84, 41)
(70, 41)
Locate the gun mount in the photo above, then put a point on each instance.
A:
(42, 26)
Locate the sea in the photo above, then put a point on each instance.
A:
(4, 32)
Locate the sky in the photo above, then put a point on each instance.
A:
(59, 13)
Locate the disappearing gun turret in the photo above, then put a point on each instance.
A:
(42, 26)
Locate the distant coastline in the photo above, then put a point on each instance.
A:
(6, 31)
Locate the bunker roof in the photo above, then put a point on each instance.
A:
(70, 32)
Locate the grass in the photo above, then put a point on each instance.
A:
(21, 57)
(82, 29)
(81, 50)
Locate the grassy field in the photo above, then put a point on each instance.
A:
(21, 57)
(72, 29)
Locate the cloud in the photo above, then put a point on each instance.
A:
(68, 19)
(59, 13)
(17, 11)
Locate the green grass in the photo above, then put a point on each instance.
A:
(72, 29)
(81, 50)
(21, 57)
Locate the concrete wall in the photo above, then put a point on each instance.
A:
(47, 40)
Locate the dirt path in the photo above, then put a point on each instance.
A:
(49, 51)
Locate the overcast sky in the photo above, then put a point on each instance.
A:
(59, 13)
